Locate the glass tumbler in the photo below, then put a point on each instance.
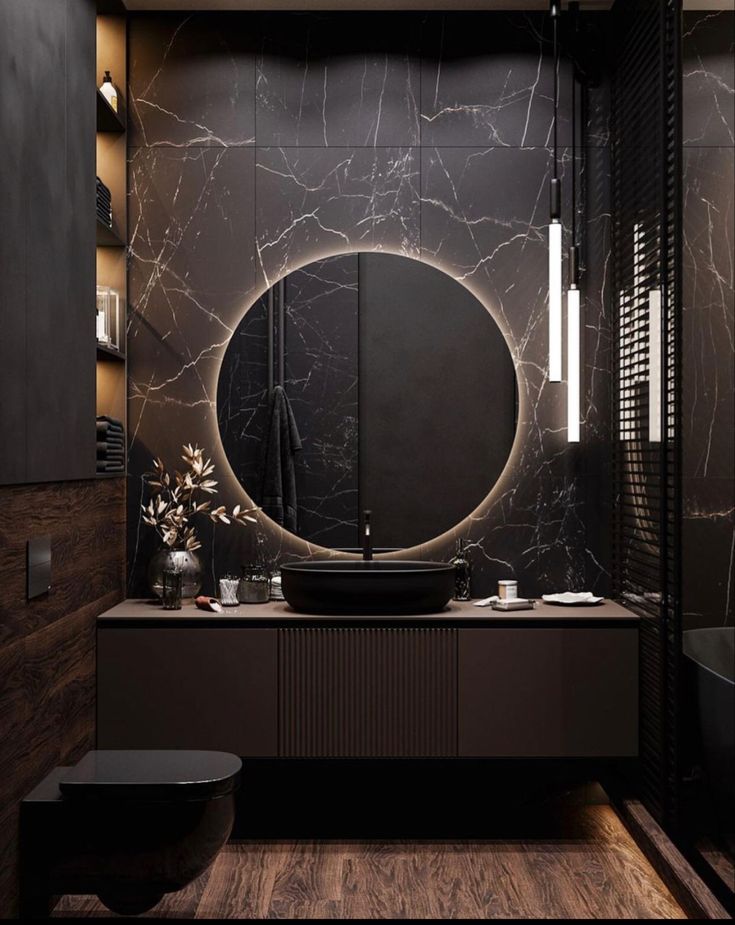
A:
(172, 584)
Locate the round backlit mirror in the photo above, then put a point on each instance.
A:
(367, 381)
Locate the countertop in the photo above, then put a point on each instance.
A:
(139, 613)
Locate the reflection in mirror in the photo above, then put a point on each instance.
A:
(367, 381)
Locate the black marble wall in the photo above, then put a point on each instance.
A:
(261, 142)
(709, 319)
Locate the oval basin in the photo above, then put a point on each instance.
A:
(381, 587)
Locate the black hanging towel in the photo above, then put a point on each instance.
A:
(278, 495)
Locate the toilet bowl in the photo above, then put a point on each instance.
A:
(128, 826)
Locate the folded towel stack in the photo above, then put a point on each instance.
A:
(110, 445)
(104, 204)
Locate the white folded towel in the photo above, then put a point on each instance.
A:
(571, 597)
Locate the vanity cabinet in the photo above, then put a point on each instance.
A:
(183, 687)
(552, 693)
(266, 682)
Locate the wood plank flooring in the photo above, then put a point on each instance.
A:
(590, 868)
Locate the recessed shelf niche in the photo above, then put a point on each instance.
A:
(112, 242)
(109, 354)
(107, 237)
(107, 119)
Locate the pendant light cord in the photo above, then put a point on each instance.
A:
(555, 10)
(574, 157)
(556, 96)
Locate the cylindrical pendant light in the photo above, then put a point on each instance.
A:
(574, 300)
(555, 228)
(574, 371)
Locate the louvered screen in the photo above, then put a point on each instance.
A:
(646, 174)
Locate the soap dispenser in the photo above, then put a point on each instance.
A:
(109, 91)
(462, 573)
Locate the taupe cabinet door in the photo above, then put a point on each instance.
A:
(188, 688)
(567, 693)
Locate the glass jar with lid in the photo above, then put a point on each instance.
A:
(254, 586)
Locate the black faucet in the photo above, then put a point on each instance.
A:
(367, 540)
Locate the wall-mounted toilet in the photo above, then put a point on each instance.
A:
(128, 826)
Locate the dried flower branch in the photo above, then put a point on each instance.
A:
(177, 500)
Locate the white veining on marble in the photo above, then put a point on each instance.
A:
(212, 229)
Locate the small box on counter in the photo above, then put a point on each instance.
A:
(516, 603)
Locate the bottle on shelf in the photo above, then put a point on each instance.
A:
(109, 91)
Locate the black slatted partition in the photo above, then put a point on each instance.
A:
(646, 278)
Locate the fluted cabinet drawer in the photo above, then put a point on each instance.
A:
(367, 692)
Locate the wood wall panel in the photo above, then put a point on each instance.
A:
(86, 525)
(47, 646)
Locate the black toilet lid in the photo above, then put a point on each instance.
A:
(152, 775)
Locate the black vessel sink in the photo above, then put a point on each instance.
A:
(378, 587)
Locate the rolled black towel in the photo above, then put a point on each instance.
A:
(107, 425)
(105, 431)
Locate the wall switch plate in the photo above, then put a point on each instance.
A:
(39, 566)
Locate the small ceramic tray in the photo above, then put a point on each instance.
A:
(570, 599)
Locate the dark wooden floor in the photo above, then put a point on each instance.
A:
(591, 868)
